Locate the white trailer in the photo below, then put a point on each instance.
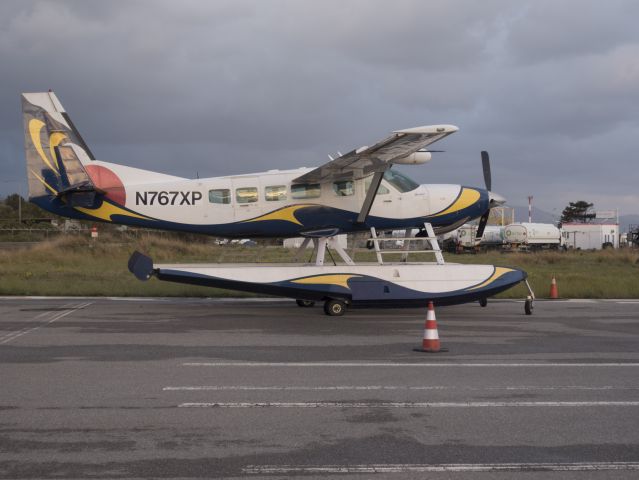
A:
(590, 236)
(532, 236)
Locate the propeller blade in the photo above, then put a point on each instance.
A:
(482, 225)
(485, 163)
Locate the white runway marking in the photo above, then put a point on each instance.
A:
(42, 314)
(405, 365)
(444, 467)
(57, 316)
(402, 404)
(384, 387)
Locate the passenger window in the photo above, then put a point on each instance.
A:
(382, 190)
(311, 190)
(344, 188)
(246, 195)
(220, 195)
(275, 193)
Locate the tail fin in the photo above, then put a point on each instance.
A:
(55, 152)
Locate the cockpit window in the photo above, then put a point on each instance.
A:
(382, 190)
(400, 181)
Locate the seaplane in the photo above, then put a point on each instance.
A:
(356, 193)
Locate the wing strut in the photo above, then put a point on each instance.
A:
(370, 196)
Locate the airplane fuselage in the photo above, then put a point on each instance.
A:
(269, 204)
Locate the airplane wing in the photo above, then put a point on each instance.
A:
(378, 158)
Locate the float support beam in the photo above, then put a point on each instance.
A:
(378, 251)
(301, 249)
(330, 242)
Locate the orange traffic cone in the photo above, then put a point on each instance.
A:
(430, 343)
(553, 288)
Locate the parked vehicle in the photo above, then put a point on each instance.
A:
(466, 240)
(532, 236)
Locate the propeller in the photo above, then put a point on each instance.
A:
(485, 163)
(483, 221)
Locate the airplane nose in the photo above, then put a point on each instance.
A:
(496, 199)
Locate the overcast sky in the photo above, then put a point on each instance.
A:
(549, 88)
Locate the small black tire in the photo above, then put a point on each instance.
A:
(334, 308)
(483, 302)
(304, 303)
(528, 307)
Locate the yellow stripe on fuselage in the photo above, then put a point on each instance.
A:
(286, 214)
(340, 280)
(105, 211)
(466, 198)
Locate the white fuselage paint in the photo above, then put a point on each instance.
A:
(389, 203)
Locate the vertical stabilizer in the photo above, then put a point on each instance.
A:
(53, 150)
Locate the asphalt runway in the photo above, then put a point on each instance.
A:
(153, 388)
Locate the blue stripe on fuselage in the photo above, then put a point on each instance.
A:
(313, 217)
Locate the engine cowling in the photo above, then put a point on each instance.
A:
(417, 158)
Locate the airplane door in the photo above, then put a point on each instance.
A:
(246, 198)
(384, 201)
(219, 207)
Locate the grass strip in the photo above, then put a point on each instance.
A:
(78, 266)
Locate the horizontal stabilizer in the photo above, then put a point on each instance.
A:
(141, 266)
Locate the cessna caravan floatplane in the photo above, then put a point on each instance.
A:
(356, 192)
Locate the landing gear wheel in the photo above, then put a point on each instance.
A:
(528, 306)
(334, 308)
(483, 302)
(304, 303)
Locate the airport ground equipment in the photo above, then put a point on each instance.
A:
(554, 292)
(467, 241)
(430, 342)
(532, 236)
(590, 236)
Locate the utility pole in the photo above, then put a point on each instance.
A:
(530, 208)
(19, 208)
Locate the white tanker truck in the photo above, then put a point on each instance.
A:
(493, 238)
(532, 236)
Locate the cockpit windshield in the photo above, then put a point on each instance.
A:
(400, 181)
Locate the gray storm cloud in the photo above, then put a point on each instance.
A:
(549, 88)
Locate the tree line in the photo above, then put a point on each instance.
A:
(14, 208)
